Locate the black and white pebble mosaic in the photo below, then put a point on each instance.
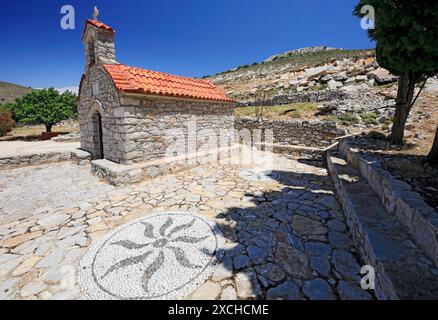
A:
(161, 256)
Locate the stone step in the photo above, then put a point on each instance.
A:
(402, 269)
(398, 198)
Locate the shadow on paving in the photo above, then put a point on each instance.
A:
(314, 163)
(294, 244)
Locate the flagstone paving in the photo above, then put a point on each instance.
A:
(285, 237)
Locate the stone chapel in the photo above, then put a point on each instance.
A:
(126, 113)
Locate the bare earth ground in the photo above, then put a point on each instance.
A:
(423, 122)
(285, 239)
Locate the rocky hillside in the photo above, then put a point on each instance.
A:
(347, 86)
(9, 91)
(307, 69)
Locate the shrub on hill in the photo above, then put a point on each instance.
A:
(6, 121)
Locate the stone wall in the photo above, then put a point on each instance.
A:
(313, 96)
(402, 270)
(295, 152)
(121, 174)
(152, 127)
(79, 156)
(89, 107)
(99, 46)
(398, 198)
(295, 132)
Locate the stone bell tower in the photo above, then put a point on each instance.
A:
(98, 40)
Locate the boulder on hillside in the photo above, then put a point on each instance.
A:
(382, 119)
(382, 76)
(342, 76)
(368, 61)
(361, 78)
(332, 84)
(325, 79)
(432, 87)
(313, 73)
(350, 81)
(294, 82)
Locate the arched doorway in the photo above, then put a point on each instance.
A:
(100, 136)
(96, 122)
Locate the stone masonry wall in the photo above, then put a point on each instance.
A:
(104, 103)
(295, 132)
(104, 47)
(12, 162)
(150, 127)
(99, 46)
(313, 96)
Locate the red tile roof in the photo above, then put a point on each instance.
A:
(136, 80)
(99, 25)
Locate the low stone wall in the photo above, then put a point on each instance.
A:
(121, 174)
(398, 198)
(70, 137)
(317, 134)
(294, 152)
(402, 269)
(81, 157)
(314, 96)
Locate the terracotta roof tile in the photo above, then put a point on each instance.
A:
(136, 80)
(99, 25)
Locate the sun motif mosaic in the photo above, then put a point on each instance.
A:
(161, 256)
(259, 175)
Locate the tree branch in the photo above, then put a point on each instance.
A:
(418, 94)
(413, 102)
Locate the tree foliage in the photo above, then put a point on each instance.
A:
(406, 33)
(46, 107)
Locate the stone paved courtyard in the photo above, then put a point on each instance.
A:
(284, 236)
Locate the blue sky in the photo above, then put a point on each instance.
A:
(185, 37)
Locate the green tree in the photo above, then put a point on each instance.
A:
(406, 36)
(46, 107)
